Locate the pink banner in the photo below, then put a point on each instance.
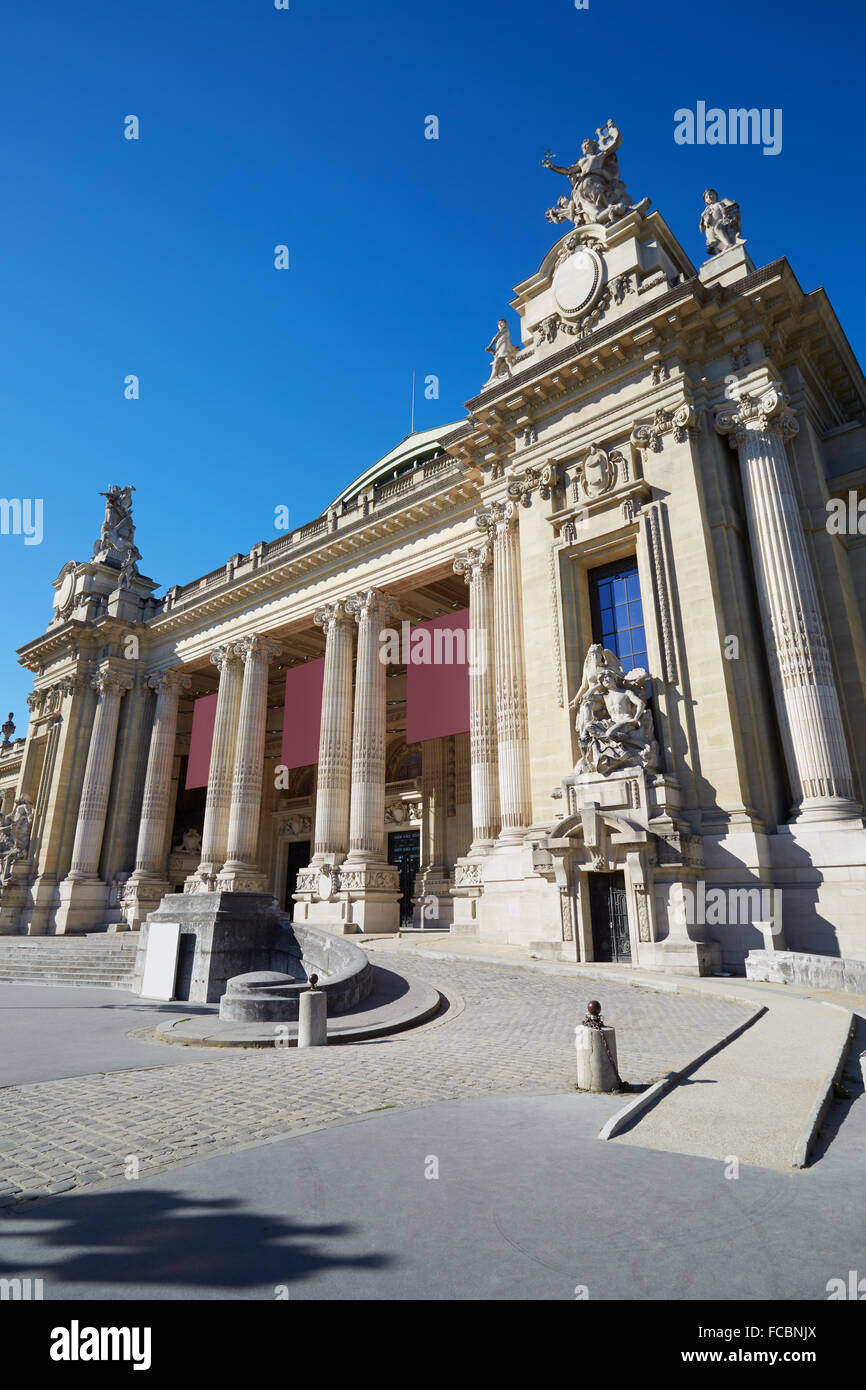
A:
(437, 656)
(203, 719)
(302, 716)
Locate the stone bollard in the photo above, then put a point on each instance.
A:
(595, 1044)
(313, 1016)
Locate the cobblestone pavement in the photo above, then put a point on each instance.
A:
(504, 1030)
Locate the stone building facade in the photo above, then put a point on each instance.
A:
(670, 720)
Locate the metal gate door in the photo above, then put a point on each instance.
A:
(609, 917)
(404, 850)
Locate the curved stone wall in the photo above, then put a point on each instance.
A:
(272, 996)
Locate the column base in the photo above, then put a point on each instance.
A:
(141, 896)
(84, 906)
(360, 897)
(814, 810)
(237, 877)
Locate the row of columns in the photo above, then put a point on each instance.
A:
(350, 800)
(498, 722)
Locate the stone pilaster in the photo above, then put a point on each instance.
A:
(509, 664)
(476, 566)
(241, 873)
(804, 687)
(147, 883)
(372, 610)
(214, 845)
(83, 895)
(331, 835)
(432, 895)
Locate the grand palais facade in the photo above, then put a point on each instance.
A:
(659, 720)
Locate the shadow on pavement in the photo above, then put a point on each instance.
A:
(153, 1237)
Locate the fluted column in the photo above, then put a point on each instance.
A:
(240, 873)
(367, 805)
(147, 883)
(804, 687)
(157, 780)
(509, 665)
(111, 686)
(214, 839)
(331, 834)
(476, 566)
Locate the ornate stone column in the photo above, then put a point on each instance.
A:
(509, 664)
(240, 873)
(367, 806)
(331, 835)
(147, 884)
(222, 761)
(804, 688)
(476, 566)
(83, 896)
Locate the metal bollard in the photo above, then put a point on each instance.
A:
(313, 1016)
(595, 1044)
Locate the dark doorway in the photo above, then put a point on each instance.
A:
(608, 914)
(404, 850)
(298, 858)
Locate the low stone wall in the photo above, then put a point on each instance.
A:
(801, 968)
(273, 996)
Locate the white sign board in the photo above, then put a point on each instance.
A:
(160, 962)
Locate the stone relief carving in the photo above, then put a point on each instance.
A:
(598, 194)
(504, 353)
(540, 480)
(15, 835)
(613, 724)
(399, 812)
(720, 223)
(596, 473)
(189, 843)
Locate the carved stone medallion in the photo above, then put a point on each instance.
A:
(578, 280)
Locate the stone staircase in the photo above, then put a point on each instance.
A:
(97, 959)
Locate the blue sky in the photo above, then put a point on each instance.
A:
(306, 127)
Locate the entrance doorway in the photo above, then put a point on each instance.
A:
(608, 915)
(404, 850)
(298, 857)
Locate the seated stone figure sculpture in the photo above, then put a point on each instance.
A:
(613, 724)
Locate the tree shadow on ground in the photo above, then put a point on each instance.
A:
(137, 1237)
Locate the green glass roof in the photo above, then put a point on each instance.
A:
(415, 447)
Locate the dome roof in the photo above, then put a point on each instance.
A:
(414, 449)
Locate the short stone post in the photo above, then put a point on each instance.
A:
(595, 1044)
(313, 1016)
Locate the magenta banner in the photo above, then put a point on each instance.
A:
(203, 719)
(437, 656)
(302, 716)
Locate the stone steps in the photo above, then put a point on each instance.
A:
(98, 961)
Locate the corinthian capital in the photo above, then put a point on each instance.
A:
(171, 682)
(331, 615)
(471, 563)
(257, 646)
(110, 682)
(765, 413)
(372, 603)
(224, 656)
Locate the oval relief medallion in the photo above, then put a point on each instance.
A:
(577, 282)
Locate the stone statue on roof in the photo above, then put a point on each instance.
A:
(598, 194)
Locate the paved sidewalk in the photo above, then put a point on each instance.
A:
(503, 1031)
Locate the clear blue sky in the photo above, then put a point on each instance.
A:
(306, 127)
